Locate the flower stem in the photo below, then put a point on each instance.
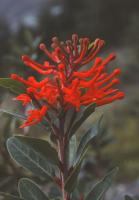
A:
(63, 155)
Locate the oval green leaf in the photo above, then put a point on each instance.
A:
(13, 85)
(100, 188)
(86, 113)
(30, 191)
(72, 149)
(72, 179)
(33, 154)
(16, 115)
(86, 139)
(8, 196)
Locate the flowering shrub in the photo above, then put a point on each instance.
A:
(65, 97)
(64, 86)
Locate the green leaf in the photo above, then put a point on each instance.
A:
(33, 154)
(72, 179)
(8, 196)
(86, 113)
(16, 115)
(128, 197)
(86, 139)
(41, 146)
(81, 151)
(13, 85)
(72, 149)
(54, 192)
(100, 188)
(30, 191)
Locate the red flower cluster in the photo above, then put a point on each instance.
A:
(65, 84)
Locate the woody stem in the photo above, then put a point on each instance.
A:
(63, 155)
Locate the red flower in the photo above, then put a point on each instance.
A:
(65, 84)
(24, 98)
(34, 116)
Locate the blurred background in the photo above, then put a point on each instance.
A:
(24, 24)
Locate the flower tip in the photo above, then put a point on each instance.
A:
(98, 60)
(96, 40)
(55, 39)
(30, 90)
(99, 43)
(42, 46)
(121, 95)
(57, 50)
(74, 36)
(86, 41)
(115, 81)
(13, 76)
(61, 66)
(25, 58)
(112, 56)
(117, 71)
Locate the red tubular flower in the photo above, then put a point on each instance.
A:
(34, 116)
(64, 83)
(73, 94)
(24, 98)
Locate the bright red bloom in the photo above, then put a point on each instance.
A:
(35, 116)
(24, 98)
(65, 84)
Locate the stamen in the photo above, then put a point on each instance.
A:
(110, 58)
(30, 63)
(89, 83)
(69, 48)
(84, 48)
(108, 78)
(119, 95)
(60, 54)
(112, 83)
(75, 44)
(95, 49)
(43, 48)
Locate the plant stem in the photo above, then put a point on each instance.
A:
(63, 155)
(64, 171)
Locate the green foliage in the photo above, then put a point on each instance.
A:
(43, 147)
(7, 196)
(84, 115)
(72, 149)
(42, 160)
(100, 188)
(13, 114)
(13, 85)
(35, 155)
(72, 179)
(30, 191)
(86, 140)
(79, 156)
